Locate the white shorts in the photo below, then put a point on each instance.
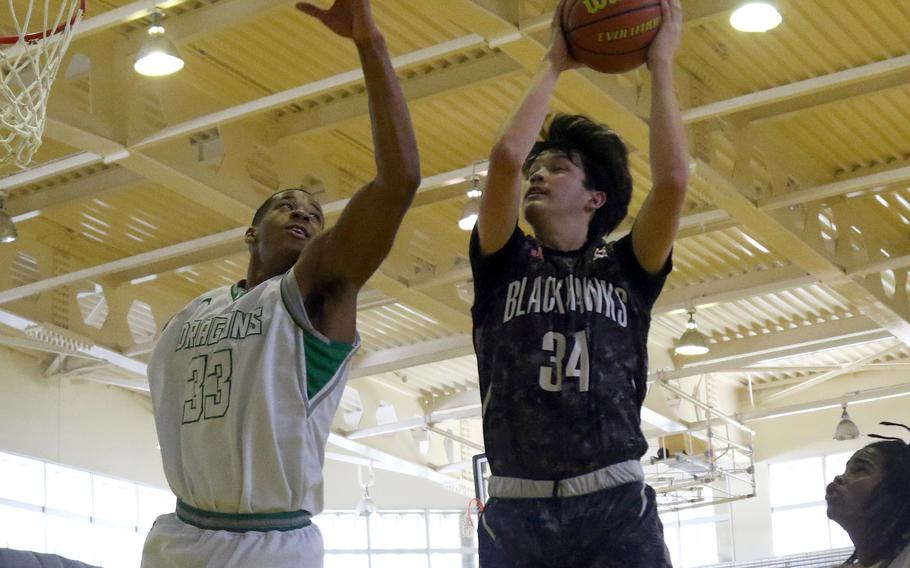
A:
(174, 544)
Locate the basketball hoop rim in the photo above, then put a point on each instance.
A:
(35, 36)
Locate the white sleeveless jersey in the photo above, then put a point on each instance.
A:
(238, 431)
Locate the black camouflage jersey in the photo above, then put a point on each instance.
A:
(561, 343)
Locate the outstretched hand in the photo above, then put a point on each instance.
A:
(559, 53)
(666, 42)
(347, 18)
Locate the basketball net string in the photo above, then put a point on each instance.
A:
(27, 71)
(467, 523)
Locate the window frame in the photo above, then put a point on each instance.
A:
(826, 477)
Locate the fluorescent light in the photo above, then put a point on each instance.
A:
(756, 244)
(14, 321)
(755, 17)
(26, 216)
(143, 279)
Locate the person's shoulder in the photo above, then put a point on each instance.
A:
(609, 250)
(206, 299)
(220, 293)
(518, 239)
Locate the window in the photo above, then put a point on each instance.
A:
(396, 539)
(691, 534)
(103, 521)
(399, 531)
(22, 528)
(799, 521)
(23, 479)
(115, 501)
(61, 510)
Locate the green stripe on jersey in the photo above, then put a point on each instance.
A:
(323, 358)
(237, 292)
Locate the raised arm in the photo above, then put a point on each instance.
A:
(501, 200)
(346, 255)
(658, 220)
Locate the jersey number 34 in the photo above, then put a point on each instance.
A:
(559, 367)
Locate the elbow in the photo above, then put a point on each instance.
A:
(412, 179)
(401, 185)
(405, 177)
(676, 183)
(409, 183)
(409, 176)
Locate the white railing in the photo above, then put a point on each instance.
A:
(823, 559)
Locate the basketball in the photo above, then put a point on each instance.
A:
(611, 36)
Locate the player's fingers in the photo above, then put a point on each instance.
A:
(676, 10)
(312, 10)
(555, 23)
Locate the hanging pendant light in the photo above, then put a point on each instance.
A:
(365, 507)
(692, 341)
(157, 56)
(755, 17)
(471, 209)
(846, 428)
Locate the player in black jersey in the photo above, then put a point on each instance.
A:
(561, 324)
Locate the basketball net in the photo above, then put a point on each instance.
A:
(29, 62)
(467, 523)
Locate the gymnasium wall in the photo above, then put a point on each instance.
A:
(109, 430)
(85, 425)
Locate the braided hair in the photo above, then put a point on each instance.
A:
(890, 502)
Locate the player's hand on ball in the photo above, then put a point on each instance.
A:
(347, 18)
(558, 53)
(665, 44)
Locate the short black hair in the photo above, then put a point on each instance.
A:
(263, 209)
(889, 504)
(605, 161)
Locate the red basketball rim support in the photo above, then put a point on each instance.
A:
(35, 36)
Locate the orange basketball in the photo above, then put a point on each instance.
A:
(611, 36)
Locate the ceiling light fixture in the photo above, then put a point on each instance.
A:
(692, 341)
(8, 232)
(755, 17)
(472, 208)
(846, 428)
(365, 507)
(158, 56)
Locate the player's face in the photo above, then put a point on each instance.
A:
(849, 495)
(555, 186)
(291, 221)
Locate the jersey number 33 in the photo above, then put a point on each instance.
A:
(207, 391)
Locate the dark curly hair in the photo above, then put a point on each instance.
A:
(890, 501)
(605, 161)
